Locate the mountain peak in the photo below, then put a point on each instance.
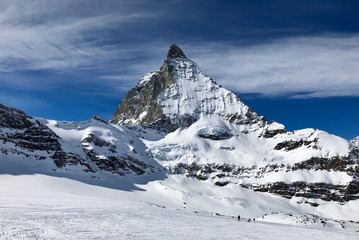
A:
(179, 94)
(175, 52)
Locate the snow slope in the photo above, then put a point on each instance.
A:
(44, 207)
(196, 94)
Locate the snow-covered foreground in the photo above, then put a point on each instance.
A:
(45, 207)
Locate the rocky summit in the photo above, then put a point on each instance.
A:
(175, 52)
(179, 121)
(179, 94)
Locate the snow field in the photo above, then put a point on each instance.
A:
(44, 207)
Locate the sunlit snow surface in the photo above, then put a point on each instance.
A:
(43, 207)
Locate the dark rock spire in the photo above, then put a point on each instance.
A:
(175, 52)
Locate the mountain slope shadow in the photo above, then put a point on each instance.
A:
(93, 152)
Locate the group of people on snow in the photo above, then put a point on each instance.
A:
(249, 220)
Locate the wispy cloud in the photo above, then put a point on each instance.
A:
(85, 35)
(300, 67)
(32, 39)
(297, 67)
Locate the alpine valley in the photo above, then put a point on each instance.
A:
(179, 140)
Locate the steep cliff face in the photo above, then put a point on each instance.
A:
(27, 137)
(179, 94)
(140, 106)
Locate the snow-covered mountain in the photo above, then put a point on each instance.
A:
(214, 136)
(46, 146)
(179, 94)
(178, 123)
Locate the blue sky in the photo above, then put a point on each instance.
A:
(296, 62)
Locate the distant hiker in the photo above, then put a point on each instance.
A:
(249, 220)
(239, 218)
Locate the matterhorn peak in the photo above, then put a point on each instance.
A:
(179, 94)
(175, 52)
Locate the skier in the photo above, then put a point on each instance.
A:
(249, 220)
(239, 218)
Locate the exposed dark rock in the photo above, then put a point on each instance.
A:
(31, 137)
(352, 190)
(14, 118)
(321, 191)
(175, 52)
(59, 159)
(91, 138)
(272, 133)
(312, 204)
(218, 136)
(221, 184)
(123, 164)
(324, 191)
(249, 117)
(26, 132)
(289, 145)
(94, 117)
(62, 159)
(282, 189)
(227, 148)
(165, 124)
(330, 164)
(144, 98)
(201, 177)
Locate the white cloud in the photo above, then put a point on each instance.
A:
(40, 35)
(71, 35)
(301, 67)
(298, 67)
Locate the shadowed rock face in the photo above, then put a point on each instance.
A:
(177, 95)
(27, 137)
(144, 98)
(26, 132)
(31, 138)
(175, 52)
(222, 174)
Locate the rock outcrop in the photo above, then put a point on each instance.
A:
(175, 52)
(22, 136)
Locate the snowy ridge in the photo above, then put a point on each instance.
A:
(256, 162)
(37, 145)
(197, 95)
(108, 146)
